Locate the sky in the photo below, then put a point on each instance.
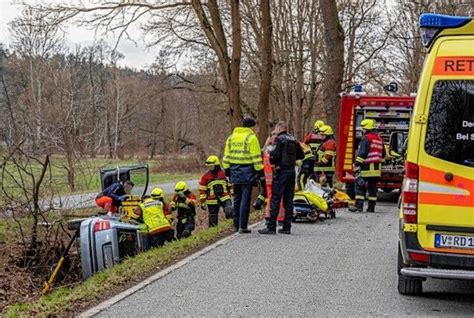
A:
(136, 55)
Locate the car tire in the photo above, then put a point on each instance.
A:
(407, 285)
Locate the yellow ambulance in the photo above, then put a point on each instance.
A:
(437, 208)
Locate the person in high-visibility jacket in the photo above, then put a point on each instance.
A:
(156, 218)
(243, 165)
(368, 166)
(326, 157)
(307, 166)
(214, 191)
(315, 138)
(184, 204)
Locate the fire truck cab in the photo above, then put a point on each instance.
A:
(392, 114)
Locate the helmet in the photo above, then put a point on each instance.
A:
(318, 124)
(181, 187)
(157, 193)
(368, 124)
(326, 130)
(213, 160)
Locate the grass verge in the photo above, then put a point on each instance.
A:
(65, 301)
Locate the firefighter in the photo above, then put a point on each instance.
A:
(287, 151)
(326, 156)
(368, 166)
(111, 197)
(184, 203)
(315, 138)
(243, 165)
(214, 191)
(156, 219)
(307, 166)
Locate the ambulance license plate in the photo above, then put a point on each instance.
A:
(455, 241)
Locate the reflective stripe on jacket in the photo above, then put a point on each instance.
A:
(153, 215)
(314, 140)
(370, 155)
(213, 188)
(327, 156)
(185, 207)
(243, 148)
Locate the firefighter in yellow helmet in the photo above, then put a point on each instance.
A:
(156, 218)
(184, 203)
(243, 165)
(368, 166)
(315, 138)
(326, 156)
(214, 191)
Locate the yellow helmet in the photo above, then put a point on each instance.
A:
(213, 160)
(368, 124)
(318, 124)
(157, 193)
(181, 187)
(326, 130)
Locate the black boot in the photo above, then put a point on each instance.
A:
(266, 231)
(371, 207)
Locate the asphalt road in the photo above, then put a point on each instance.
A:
(342, 267)
(87, 200)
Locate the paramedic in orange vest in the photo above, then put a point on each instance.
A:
(368, 166)
(326, 156)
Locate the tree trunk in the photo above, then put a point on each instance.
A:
(334, 68)
(265, 70)
(229, 67)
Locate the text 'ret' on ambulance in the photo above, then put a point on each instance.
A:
(437, 208)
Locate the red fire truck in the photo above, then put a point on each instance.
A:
(392, 114)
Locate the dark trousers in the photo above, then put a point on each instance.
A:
(242, 197)
(160, 238)
(185, 226)
(283, 186)
(369, 185)
(213, 210)
(305, 172)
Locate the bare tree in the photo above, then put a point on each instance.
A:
(334, 70)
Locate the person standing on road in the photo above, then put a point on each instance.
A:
(326, 156)
(287, 151)
(111, 197)
(243, 165)
(368, 166)
(184, 203)
(214, 191)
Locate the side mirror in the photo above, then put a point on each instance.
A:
(396, 144)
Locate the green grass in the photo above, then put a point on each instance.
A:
(65, 300)
(87, 177)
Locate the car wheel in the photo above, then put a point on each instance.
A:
(407, 285)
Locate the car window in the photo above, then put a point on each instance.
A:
(450, 130)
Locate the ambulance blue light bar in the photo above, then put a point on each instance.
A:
(431, 24)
